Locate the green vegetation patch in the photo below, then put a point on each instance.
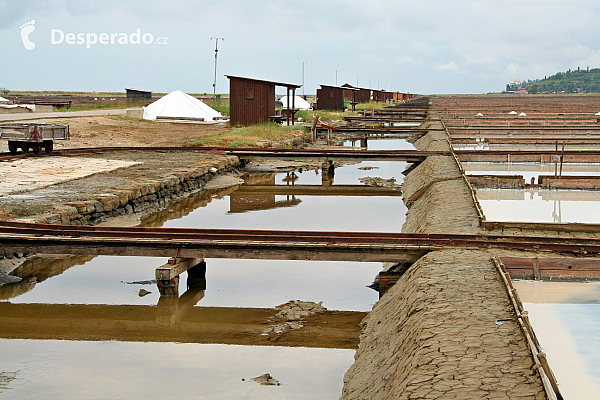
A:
(377, 105)
(325, 115)
(249, 136)
(221, 106)
(98, 106)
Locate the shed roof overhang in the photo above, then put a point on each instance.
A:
(276, 83)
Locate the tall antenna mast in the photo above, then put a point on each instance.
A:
(216, 39)
(303, 63)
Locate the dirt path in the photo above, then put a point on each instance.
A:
(121, 131)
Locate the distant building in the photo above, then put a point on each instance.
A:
(516, 82)
(138, 98)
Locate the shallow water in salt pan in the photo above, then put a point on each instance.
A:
(121, 369)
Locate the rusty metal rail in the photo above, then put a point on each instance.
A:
(136, 239)
(406, 155)
(528, 156)
(539, 357)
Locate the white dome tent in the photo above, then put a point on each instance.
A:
(299, 103)
(180, 105)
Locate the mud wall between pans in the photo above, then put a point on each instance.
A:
(138, 196)
(435, 333)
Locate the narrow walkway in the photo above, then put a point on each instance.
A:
(446, 329)
(60, 114)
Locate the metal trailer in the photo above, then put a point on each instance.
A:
(32, 136)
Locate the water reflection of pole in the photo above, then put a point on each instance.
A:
(557, 217)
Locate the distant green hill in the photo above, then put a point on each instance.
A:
(576, 81)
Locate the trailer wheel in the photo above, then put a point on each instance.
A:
(24, 149)
(48, 146)
(37, 148)
(13, 147)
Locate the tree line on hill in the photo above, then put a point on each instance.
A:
(571, 81)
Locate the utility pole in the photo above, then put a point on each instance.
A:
(356, 80)
(216, 52)
(336, 71)
(303, 62)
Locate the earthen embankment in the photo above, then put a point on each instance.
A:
(446, 329)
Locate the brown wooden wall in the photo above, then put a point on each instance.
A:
(137, 98)
(382, 95)
(250, 101)
(363, 96)
(377, 96)
(330, 98)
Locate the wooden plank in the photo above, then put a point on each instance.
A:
(174, 267)
(213, 249)
(565, 269)
(318, 190)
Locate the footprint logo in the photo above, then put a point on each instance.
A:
(26, 29)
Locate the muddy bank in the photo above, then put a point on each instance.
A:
(437, 198)
(433, 336)
(154, 181)
(435, 333)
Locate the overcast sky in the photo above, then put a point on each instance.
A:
(427, 46)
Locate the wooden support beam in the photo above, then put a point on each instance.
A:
(551, 268)
(168, 287)
(320, 190)
(196, 279)
(175, 266)
(387, 280)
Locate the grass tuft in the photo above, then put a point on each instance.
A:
(249, 136)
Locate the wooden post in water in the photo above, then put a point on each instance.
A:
(168, 288)
(364, 142)
(196, 279)
(167, 276)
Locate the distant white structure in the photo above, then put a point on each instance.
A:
(522, 114)
(299, 103)
(180, 105)
(479, 114)
(513, 113)
(3, 100)
(516, 82)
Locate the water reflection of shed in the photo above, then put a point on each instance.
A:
(253, 100)
(242, 201)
